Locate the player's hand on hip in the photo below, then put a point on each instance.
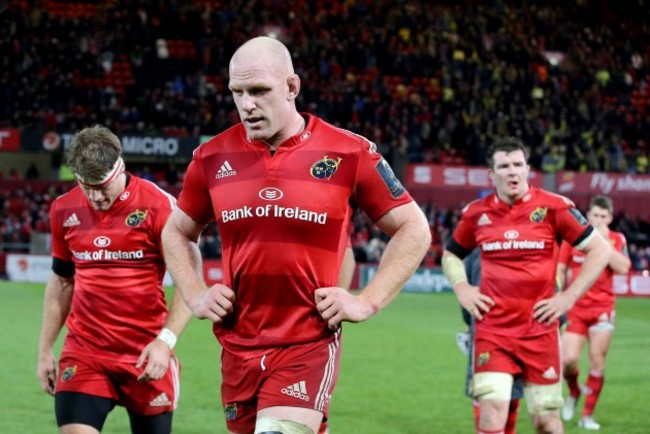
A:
(156, 354)
(46, 371)
(215, 303)
(551, 309)
(336, 305)
(471, 298)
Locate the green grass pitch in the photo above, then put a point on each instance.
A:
(401, 372)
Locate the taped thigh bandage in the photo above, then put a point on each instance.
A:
(543, 398)
(271, 425)
(492, 385)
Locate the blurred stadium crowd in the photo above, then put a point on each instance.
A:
(24, 211)
(427, 83)
(430, 83)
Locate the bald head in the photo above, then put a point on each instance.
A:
(264, 88)
(264, 52)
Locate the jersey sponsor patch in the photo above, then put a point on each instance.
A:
(578, 216)
(391, 181)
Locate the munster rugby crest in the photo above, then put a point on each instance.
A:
(325, 168)
(135, 218)
(538, 215)
(230, 411)
(68, 373)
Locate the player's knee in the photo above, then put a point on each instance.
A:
(570, 362)
(547, 424)
(597, 365)
(271, 425)
(491, 385)
(543, 399)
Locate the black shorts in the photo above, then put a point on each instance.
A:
(81, 408)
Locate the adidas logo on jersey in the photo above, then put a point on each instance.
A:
(160, 401)
(550, 374)
(225, 170)
(71, 221)
(484, 220)
(297, 390)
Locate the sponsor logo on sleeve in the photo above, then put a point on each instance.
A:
(578, 216)
(391, 181)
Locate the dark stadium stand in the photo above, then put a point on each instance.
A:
(429, 83)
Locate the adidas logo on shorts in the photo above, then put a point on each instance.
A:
(297, 390)
(550, 374)
(160, 401)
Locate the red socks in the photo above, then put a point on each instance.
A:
(592, 391)
(511, 423)
(571, 378)
(513, 412)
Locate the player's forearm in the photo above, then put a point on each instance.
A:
(401, 258)
(560, 276)
(454, 269)
(596, 259)
(179, 314)
(183, 260)
(619, 263)
(56, 308)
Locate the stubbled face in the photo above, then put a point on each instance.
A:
(510, 175)
(264, 94)
(103, 197)
(600, 218)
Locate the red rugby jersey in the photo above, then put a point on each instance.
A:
(118, 304)
(284, 221)
(601, 292)
(519, 246)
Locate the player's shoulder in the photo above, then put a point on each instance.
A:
(232, 135)
(153, 194)
(479, 206)
(617, 236)
(71, 198)
(550, 200)
(336, 136)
